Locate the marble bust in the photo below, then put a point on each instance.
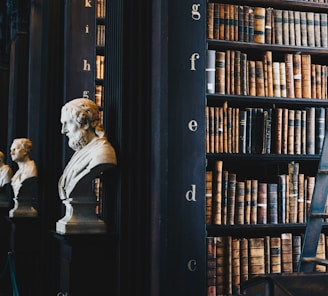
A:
(6, 174)
(23, 179)
(81, 123)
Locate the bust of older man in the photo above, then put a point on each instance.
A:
(81, 123)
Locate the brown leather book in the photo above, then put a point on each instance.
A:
(259, 25)
(217, 196)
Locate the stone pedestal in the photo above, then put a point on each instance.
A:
(25, 246)
(26, 199)
(88, 264)
(80, 207)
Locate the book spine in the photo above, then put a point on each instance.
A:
(310, 28)
(237, 82)
(259, 25)
(296, 251)
(240, 23)
(297, 67)
(235, 265)
(272, 189)
(306, 75)
(285, 27)
(275, 254)
(222, 21)
(209, 197)
(210, 71)
(303, 131)
(297, 132)
(269, 62)
(286, 253)
(225, 186)
(310, 130)
(210, 20)
(243, 74)
(289, 75)
(320, 124)
(297, 21)
(216, 21)
(268, 25)
(285, 122)
(291, 28)
(276, 79)
(254, 194)
(278, 26)
(251, 25)
(323, 29)
(318, 83)
(291, 131)
(231, 198)
(262, 202)
(278, 130)
(256, 257)
(282, 198)
(242, 131)
(220, 68)
(248, 201)
(259, 78)
(244, 259)
(211, 266)
(283, 87)
(317, 27)
(217, 196)
(304, 36)
(300, 200)
(221, 265)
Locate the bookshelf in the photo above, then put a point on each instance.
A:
(266, 110)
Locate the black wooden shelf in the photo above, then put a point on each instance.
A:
(258, 230)
(262, 47)
(263, 157)
(284, 4)
(239, 100)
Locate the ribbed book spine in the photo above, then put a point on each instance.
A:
(259, 25)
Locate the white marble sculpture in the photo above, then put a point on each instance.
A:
(81, 123)
(6, 174)
(24, 179)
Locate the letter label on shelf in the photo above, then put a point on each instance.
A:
(87, 3)
(192, 125)
(192, 264)
(85, 94)
(195, 14)
(191, 194)
(87, 29)
(194, 57)
(86, 66)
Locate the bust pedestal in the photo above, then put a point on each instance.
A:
(88, 264)
(25, 200)
(80, 207)
(25, 245)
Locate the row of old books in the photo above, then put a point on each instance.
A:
(231, 72)
(99, 95)
(265, 130)
(231, 261)
(100, 35)
(266, 25)
(232, 201)
(101, 8)
(100, 66)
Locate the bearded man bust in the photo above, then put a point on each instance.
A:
(94, 154)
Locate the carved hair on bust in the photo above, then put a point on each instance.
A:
(85, 111)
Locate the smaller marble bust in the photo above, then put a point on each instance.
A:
(24, 177)
(6, 174)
